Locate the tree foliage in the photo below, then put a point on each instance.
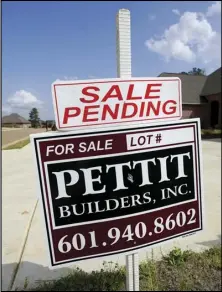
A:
(195, 71)
(34, 118)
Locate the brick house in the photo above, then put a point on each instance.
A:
(201, 97)
(15, 120)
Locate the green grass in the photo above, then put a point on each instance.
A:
(178, 271)
(17, 145)
(211, 132)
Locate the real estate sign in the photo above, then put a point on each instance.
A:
(104, 102)
(119, 189)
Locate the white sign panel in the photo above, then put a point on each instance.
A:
(90, 103)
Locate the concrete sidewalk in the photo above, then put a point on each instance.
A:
(34, 258)
(18, 201)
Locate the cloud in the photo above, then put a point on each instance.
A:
(65, 78)
(176, 11)
(21, 101)
(6, 109)
(189, 40)
(71, 78)
(214, 9)
(152, 17)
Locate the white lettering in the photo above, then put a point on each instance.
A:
(89, 180)
(163, 168)
(124, 200)
(109, 144)
(63, 210)
(57, 152)
(82, 147)
(135, 199)
(180, 191)
(180, 162)
(69, 148)
(146, 198)
(108, 204)
(49, 149)
(60, 177)
(145, 170)
(119, 174)
(74, 208)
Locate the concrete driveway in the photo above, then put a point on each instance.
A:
(23, 227)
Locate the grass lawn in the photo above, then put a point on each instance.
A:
(17, 145)
(211, 132)
(178, 271)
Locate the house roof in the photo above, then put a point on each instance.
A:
(192, 85)
(14, 119)
(213, 83)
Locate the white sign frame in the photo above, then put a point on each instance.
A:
(137, 99)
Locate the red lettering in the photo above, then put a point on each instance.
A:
(156, 110)
(70, 114)
(114, 92)
(86, 92)
(150, 90)
(113, 114)
(86, 113)
(125, 108)
(142, 109)
(171, 109)
(130, 94)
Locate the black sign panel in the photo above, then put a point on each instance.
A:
(133, 199)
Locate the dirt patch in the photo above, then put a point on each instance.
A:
(12, 136)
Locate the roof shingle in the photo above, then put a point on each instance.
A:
(213, 83)
(14, 119)
(192, 85)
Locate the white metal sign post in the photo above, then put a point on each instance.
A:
(124, 70)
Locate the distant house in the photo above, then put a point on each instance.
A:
(201, 97)
(15, 120)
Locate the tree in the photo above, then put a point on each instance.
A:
(34, 118)
(49, 123)
(43, 124)
(195, 71)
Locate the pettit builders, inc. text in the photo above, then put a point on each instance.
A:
(119, 189)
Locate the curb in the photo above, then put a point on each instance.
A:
(208, 137)
(18, 262)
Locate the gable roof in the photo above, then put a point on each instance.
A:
(14, 119)
(213, 83)
(192, 86)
